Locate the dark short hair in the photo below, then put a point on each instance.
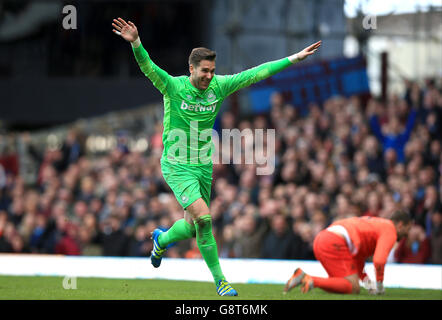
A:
(199, 54)
(400, 215)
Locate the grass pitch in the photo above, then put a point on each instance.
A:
(51, 288)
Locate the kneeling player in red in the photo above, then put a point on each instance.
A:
(344, 247)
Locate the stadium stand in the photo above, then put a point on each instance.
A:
(91, 195)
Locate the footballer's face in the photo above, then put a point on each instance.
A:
(201, 75)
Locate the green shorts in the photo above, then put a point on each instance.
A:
(188, 183)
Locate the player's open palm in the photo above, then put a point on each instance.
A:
(309, 50)
(127, 30)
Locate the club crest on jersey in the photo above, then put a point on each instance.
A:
(211, 96)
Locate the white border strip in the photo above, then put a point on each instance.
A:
(236, 270)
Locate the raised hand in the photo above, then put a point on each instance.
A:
(127, 30)
(309, 50)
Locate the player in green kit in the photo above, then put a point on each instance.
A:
(191, 104)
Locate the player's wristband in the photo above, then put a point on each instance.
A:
(294, 58)
(136, 43)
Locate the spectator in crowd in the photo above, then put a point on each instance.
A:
(138, 244)
(5, 246)
(415, 248)
(373, 204)
(71, 150)
(68, 245)
(302, 243)
(436, 237)
(249, 237)
(2, 177)
(228, 241)
(279, 241)
(113, 239)
(393, 137)
(8, 155)
(373, 154)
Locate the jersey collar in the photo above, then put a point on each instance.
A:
(196, 90)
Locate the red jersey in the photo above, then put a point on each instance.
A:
(371, 236)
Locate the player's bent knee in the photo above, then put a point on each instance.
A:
(204, 222)
(197, 209)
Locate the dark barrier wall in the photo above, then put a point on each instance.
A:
(50, 101)
(50, 73)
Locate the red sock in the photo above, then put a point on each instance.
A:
(335, 285)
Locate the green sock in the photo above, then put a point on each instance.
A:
(180, 230)
(207, 245)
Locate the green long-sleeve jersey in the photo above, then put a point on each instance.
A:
(190, 113)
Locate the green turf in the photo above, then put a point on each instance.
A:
(48, 288)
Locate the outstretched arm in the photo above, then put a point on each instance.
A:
(232, 83)
(128, 31)
(301, 55)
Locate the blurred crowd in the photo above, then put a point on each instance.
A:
(343, 158)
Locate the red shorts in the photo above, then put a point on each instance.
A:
(333, 253)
